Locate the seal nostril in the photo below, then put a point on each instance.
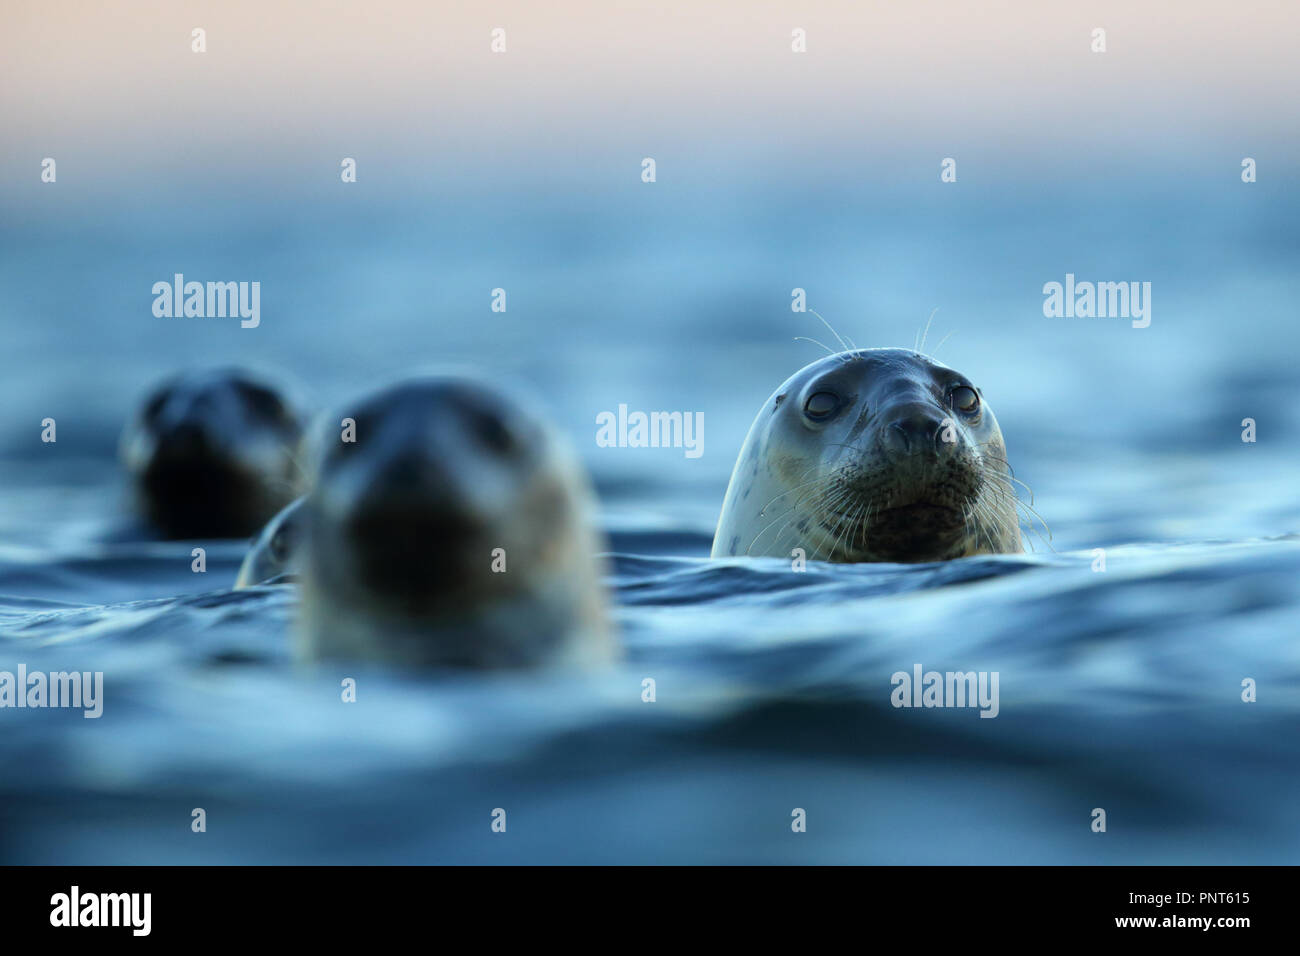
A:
(897, 439)
(916, 433)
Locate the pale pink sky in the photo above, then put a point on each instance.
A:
(417, 79)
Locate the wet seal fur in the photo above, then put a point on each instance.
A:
(404, 530)
(872, 455)
(212, 454)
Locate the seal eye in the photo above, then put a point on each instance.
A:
(279, 545)
(494, 433)
(821, 405)
(155, 406)
(265, 403)
(965, 400)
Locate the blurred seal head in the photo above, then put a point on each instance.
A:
(273, 551)
(213, 454)
(872, 455)
(449, 527)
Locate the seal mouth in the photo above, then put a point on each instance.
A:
(411, 554)
(918, 529)
(920, 511)
(207, 497)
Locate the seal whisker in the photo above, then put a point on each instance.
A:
(858, 520)
(790, 515)
(817, 497)
(1012, 498)
(804, 338)
(792, 510)
(842, 525)
(827, 504)
(1011, 474)
(987, 519)
(935, 350)
(820, 479)
(763, 510)
(844, 494)
(926, 333)
(844, 345)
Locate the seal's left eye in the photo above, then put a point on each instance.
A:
(821, 405)
(965, 400)
(280, 545)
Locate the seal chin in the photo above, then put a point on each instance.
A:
(917, 532)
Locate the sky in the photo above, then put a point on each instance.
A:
(414, 92)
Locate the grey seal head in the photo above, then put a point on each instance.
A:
(212, 454)
(272, 553)
(872, 455)
(455, 530)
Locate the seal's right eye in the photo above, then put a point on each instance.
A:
(265, 403)
(155, 406)
(965, 400)
(821, 405)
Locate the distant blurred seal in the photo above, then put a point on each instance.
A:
(212, 454)
(456, 530)
(272, 552)
(872, 455)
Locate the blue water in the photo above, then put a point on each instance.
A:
(1118, 689)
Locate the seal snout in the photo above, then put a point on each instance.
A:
(398, 512)
(916, 430)
(414, 499)
(187, 438)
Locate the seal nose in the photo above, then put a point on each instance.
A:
(185, 439)
(414, 488)
(915, 430)
(408, 480)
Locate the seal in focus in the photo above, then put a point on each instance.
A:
(872, 455)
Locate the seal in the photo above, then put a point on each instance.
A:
(872, 455)
(272, 553)
(453, 530)
(212, 454)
